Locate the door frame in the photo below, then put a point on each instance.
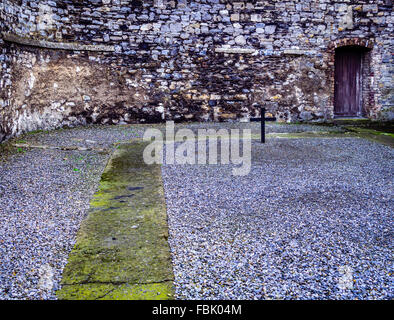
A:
(359, 80)
(366, 44)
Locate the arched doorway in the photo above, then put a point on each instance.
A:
(348, 96)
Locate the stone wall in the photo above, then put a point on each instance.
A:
(71, 62)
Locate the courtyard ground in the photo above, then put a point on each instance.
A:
(313, 219)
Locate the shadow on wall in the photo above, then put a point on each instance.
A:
(51, 89)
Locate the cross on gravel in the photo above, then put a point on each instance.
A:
(263, 119)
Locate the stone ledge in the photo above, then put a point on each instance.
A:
(55, 45)
(299, 52)
(233, 50)
(236, 50)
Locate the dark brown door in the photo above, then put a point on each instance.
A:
(348, 82)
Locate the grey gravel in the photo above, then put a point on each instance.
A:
(270, 127)
(99, 136)
(94, 136)
(313, 220)
(225, 243)
(44, 195)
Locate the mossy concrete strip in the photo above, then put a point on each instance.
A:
(372, 135)
(152, 291)
(7, 150)
(386, 138)
(122, 250)
(383, 126)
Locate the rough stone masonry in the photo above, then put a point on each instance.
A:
(69, 62)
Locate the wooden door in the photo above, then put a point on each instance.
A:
(348, 80)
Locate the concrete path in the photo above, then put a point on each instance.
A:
(122, 250)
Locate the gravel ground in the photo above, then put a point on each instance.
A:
(45, 194)
(103, 136)
(91, 136)
(313, 220)
(271, 127)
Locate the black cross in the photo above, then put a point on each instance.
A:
(263, 119)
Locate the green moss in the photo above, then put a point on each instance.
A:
(123, 242)
(369, 131)
(36, 131)
(386, 138)
(154, 291)
(7, 150)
